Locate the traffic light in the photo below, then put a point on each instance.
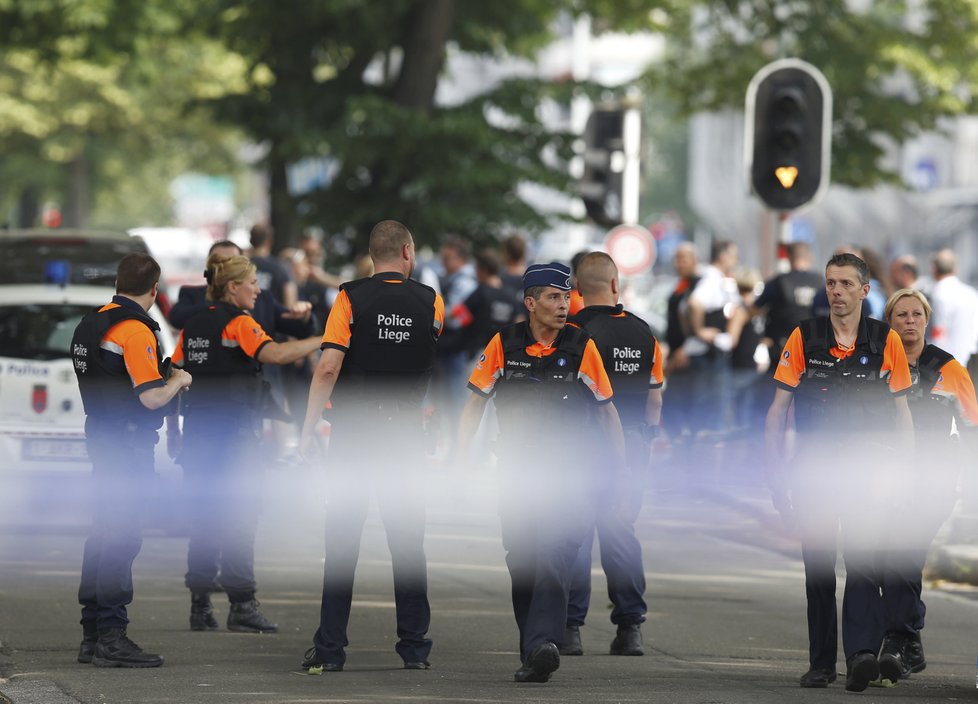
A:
(609, 186)
(788, 138)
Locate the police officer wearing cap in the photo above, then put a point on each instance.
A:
(379, 350)
(847, 378)
(548, 383)
(633, 362)
(125, 387)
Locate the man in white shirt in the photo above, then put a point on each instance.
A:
(954, 324)
(708, 345)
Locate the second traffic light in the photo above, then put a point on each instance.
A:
(788, 139)
(610, 184)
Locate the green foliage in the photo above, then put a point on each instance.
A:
(895, 67)
(110, 80)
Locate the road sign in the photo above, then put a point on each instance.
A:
(633, 249)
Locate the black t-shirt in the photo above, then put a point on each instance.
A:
(788, 298)
(273, 276)
(491, 310)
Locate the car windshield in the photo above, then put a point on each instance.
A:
(39, 331)
(25, 261)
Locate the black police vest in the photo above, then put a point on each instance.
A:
(106, 391)
(534, 391)
(224, 377)
(627, 349)
(932, 414)
(674, 327)
(392, 341)
(843, 395)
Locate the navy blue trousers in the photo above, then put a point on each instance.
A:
(123, 477)
(358, 470)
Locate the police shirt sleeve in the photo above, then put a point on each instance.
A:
(337, 334)
(955, 383)
(655, 380)
(791, 365)
(245, 332)
(895, 364)
(439, 323)
(488, 369)
(592, 373)
(177, 357)
(139, 353)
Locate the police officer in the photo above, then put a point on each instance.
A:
(942, 398)
(848, 378)
(379, 350)
(125, 386)
(548, 383)
(633, 362)
(225, 348)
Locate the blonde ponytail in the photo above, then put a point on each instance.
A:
(221, 270)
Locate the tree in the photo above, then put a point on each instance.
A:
(356, 82)
(93, 96)
(895, 68)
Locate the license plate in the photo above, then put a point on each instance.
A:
(69, 450)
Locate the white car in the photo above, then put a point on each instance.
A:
(41, 416)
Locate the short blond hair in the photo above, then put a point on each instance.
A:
(223, 270)
(906, 293)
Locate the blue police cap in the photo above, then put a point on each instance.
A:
(553, 274)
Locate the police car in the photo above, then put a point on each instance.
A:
(41, 416)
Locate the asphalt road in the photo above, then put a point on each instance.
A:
(726, 599)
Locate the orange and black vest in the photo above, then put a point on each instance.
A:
(534, 391)
(393, 336)
(627, 349)
(932, 414)
(843, 395)
(106, 389)
(225, 377)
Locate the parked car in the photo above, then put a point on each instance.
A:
(43, 461)
(79, 257)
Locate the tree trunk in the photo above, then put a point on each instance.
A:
(428, 28)
(28, 208)
(78, 204)
(281, 207)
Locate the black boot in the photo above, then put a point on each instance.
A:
(246, 617)
(572, 641)
(201, 612)
(628, 641)
(913, 653)
(114, 649)
(89, 639)
(891, 662)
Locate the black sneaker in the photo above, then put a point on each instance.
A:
(571, 644)
(314, 666)
(417, 665)
(544, 660)
(202, 612)
(913, 654)
(628, 641)
(818, 678)
(246, 618)
(86, 650)
(891, 663)
(861, 669)
(114, 649)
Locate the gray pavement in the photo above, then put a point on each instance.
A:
(726, 620)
